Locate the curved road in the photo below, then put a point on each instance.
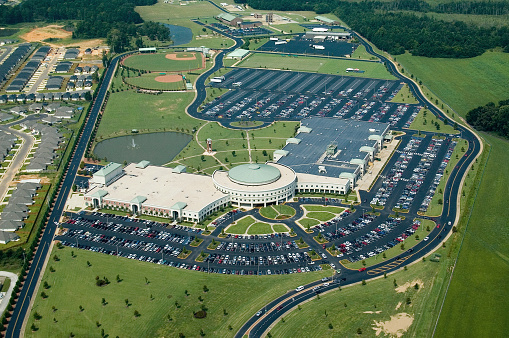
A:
(23, 304)
(256, 326)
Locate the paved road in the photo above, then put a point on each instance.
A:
(17, 162)
(21, 310)
(45, 72)
(14, 279)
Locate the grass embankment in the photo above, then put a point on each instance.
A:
(405, 96)
(361, 53)
(341, 313)
(319, 65)
(230, 300)
(425, 121)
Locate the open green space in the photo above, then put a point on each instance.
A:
(5, 285)
(483, 262)
(316, 64)
(308, 222)
(426, 121)
(405, 96)
(463, 83)
(321, 215)
(361, 53)
(279, 211)
(342, 312)
(148, 81)
(230, 300)
(129, 110)
(259, 228)
(160, 62)
(279, 227)
(240, 226)
(328, 208)
(396, 250)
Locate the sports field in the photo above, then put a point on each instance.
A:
(158, 81)
(462, 83)
(129, 110)
(230, 300)
(317, 64)
(166, 61)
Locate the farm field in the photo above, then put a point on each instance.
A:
(316, 64)
(145, 287)
(165, 62)
(463, 83)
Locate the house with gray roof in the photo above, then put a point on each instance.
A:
(10, 225)
(6, 237)
(13, 216)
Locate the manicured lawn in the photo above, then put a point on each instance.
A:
(259, 228)
(321, 215)
(147, 81)
(426, 122)
(279, 227)
(277, 211)
(159, 62)
(482, 263)
(129, 110)
(405, 96)
(362, 306)
(319, 65)
(240, 227)
(268, 212)
(305, 222)
(462, 83)
(313, 207)
(361, 53)
(73, 284)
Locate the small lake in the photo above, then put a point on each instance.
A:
(179, 35)
(158, 148)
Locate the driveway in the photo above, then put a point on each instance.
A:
(14, 278)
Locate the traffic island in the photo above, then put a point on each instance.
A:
(184, 254)
(196, 242)
(213, 245)
(320, 239)
(201, 257)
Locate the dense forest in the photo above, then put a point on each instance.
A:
(112, 19)
(491, 118)
(394, 31)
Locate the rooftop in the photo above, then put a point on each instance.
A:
(254, 174)
(108, 169)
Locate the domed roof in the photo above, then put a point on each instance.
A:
(254, 174)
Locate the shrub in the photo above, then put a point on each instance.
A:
(200, 314)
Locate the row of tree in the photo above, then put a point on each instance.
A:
(115, 20)
(394, 31)
(491, 118)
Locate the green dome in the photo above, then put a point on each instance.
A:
(254, 174)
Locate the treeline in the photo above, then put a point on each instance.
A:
(395, 32)
(115, 20)
(491, 118)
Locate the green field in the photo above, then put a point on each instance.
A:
(361, 53)
(425, 121)
(147, 81)
(73, 284)
(363, 306)
(405, 96)
(129, 110)
(259, 228)
(483, 262)
(159, 62)
(328, 208)
(314, 64)
(240, 226)
(321, 215)
(463, 83)
(279, 211)
(279, 227)
(305, 222)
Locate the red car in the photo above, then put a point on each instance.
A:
(279, 307)
(362, 269)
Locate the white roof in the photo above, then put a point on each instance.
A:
(162, 188)
(309, 178)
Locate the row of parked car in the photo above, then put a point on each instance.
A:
(257, 247)
(289, 258)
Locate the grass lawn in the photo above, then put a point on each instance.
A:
(321, 215)
(319, 65)
(73, 284)
(363, 306)
(280, 211)
(435, 209)
(425, 121)
(159, 62)
(279, 227)
(259, 228)
(405, 96)
(240, 227)
(314, 207)
(361, 53)
(483, 263)
(147, 81)
(305, 222)
(463, 83)
(268, 212)
(291, 28)
(129, 110)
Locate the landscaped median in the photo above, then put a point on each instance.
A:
(249, 226)
(316, 214)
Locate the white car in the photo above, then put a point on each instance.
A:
(426, 238)
(325, 284)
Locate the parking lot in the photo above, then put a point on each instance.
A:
(239, 32)
(268, 95)
(299, 45)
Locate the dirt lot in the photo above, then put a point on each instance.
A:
(43, 33)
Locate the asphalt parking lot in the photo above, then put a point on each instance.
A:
(299, 45)
(268, 95)
(240, 32)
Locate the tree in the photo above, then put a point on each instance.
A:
(330, 326)
(37, 316)
(440, 201)
(205, 288)
(136, 313)
(81, 308)
(126, 302)
(359, 331)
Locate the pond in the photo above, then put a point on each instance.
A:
(179, 35)
(158, 148)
